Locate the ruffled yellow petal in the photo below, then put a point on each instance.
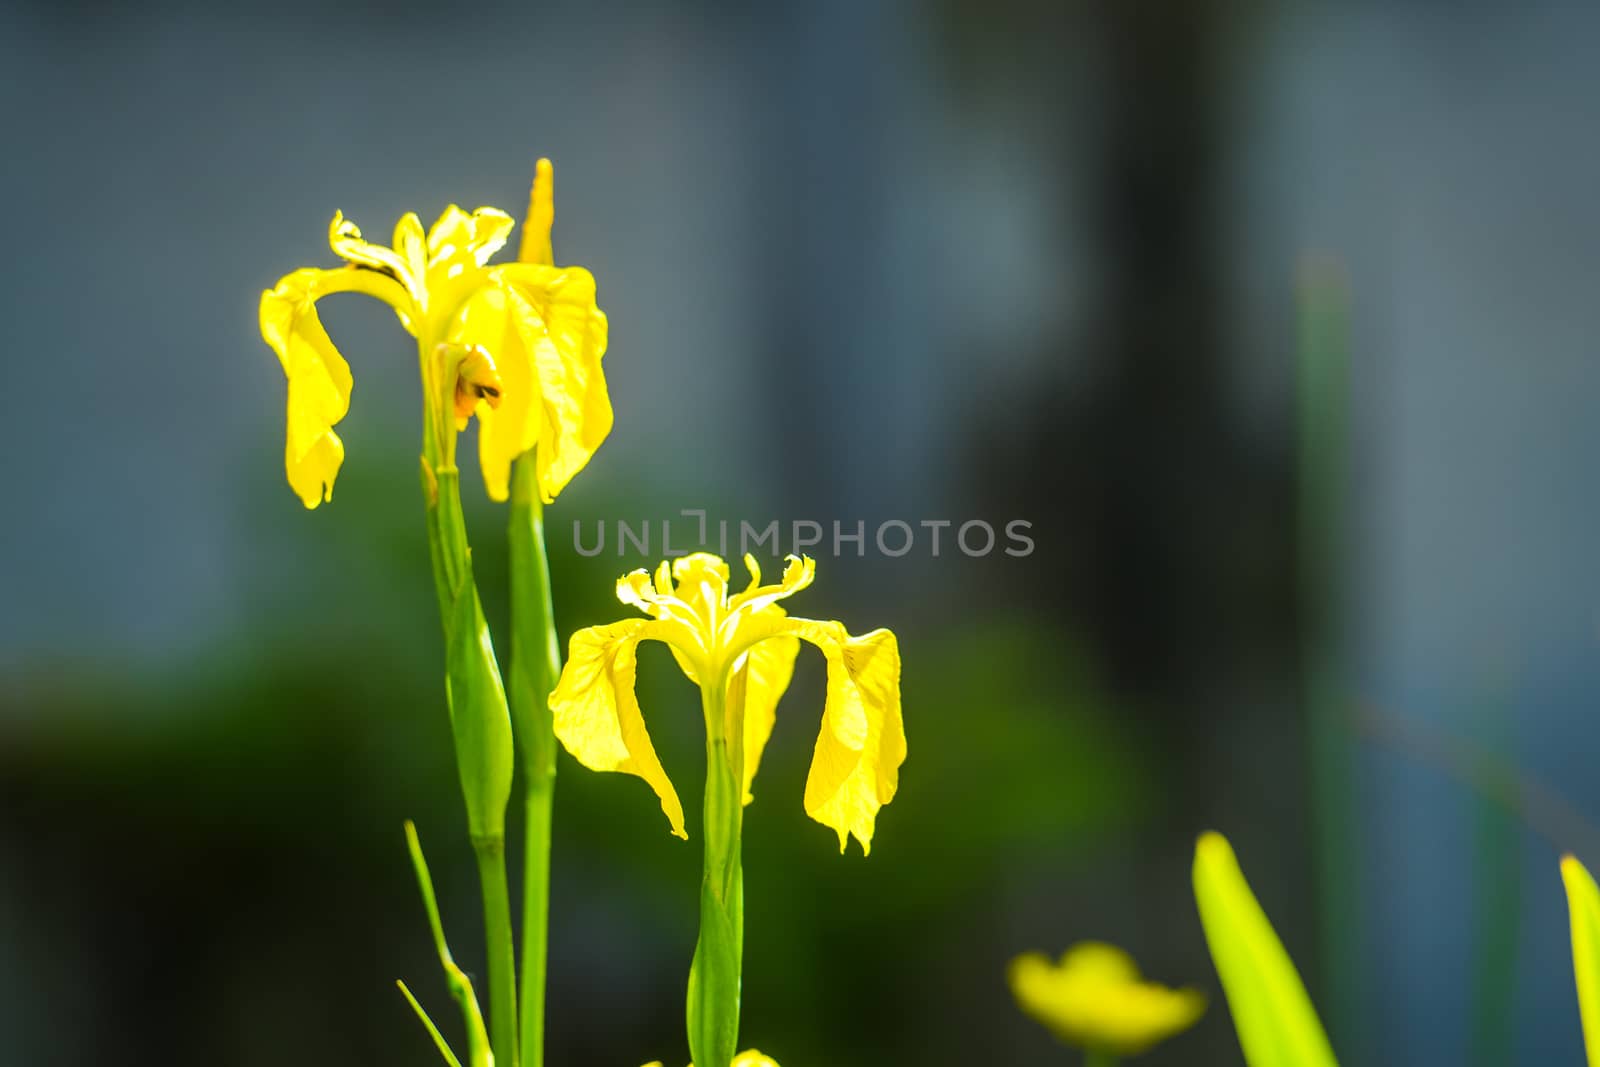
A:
(319, 378)
(548, 338)
(458, 235)
(344, 237)
(596, 712)
(855, 767)
(1094, 999)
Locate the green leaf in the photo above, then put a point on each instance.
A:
(433, 1031)
(1583, 901)
(460, 986)
(479, 717)
(1276, 1023)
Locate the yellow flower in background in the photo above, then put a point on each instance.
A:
(748, 1058)
(1094, 999)
(744, 646)
(518, 344)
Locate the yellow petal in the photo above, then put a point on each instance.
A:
(763, 677)
(700, 580)
(1272, 1013)
(477, 381)
(1583, 905)
(512, 428)
(319, 378)
(477, 236)
(748, 1058)
(1095, 999)
(411, 244)
(1100, 962)
(855, 767)
(541, 215)
(548, 338)
(344, 237)
(596, 712)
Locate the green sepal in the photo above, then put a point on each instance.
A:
(479, 717)
(715, 974)
(714, 978)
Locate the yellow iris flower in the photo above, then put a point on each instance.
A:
(1094, 999)
(748, 1058)
(744, 646)
(523, 339)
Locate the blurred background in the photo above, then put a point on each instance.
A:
(1275, 321)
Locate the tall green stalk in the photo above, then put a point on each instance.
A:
(1324, 439)
(479, 720)
(714, 977)
(535, 666)
(1496, 890)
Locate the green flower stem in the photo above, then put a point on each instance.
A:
(1093, 1058)
(478, 716)
(714, 977)
(1323, 364)
(535, 666)
(491, 853)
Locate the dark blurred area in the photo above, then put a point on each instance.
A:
(913, 260)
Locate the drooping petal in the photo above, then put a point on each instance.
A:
(319, 378)
(1583, 906)
(763, 677)
(596, 712)
(855, 767)
(545, 322)
(1271, 1010)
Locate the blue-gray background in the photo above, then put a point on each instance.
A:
(952, 260)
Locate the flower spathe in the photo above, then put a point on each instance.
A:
(529, 333)
(1094, 999)
(746, 645)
